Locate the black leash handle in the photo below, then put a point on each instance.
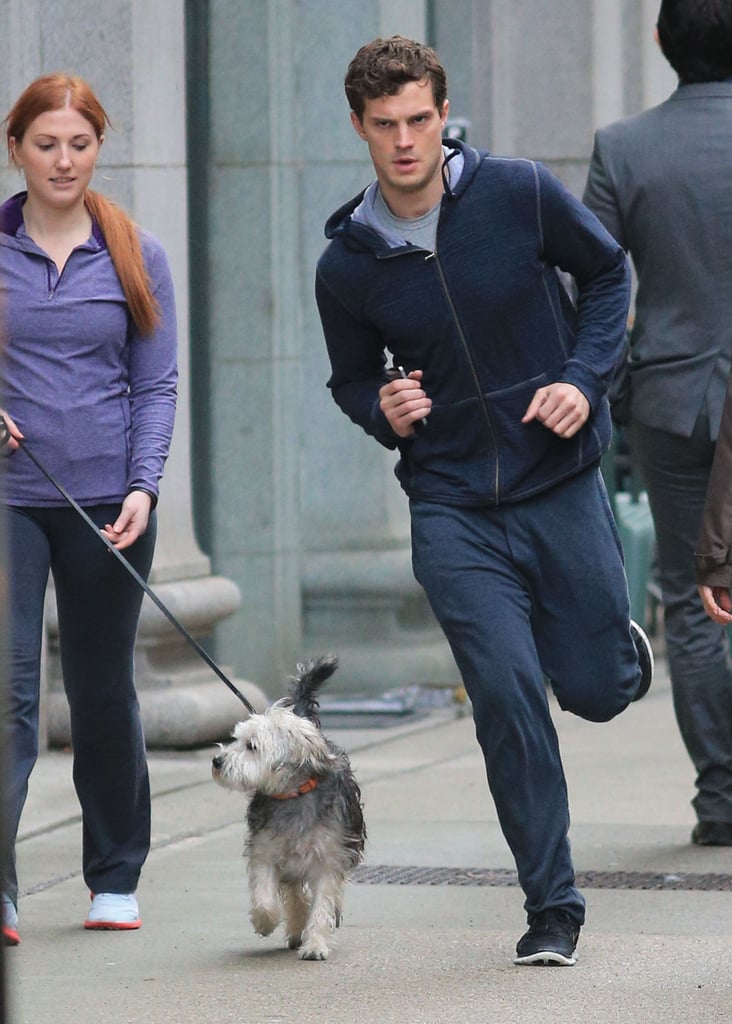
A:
(134, 574)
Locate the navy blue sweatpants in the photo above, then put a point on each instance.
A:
(529, 592)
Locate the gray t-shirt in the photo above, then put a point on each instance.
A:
(420, 231)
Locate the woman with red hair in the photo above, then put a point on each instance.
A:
(89, 380)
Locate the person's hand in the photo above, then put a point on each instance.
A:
(717, 603)
(560, 407)
(131, 522)
(404, 403)
(13, 434)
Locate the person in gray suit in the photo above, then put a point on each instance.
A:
(661, 182)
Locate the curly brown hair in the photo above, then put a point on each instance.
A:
(383, 66)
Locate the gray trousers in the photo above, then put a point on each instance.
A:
(675, 472)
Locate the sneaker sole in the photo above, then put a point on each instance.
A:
(546, 958)
(112, 926)
(10, 936)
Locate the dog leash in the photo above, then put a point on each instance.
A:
(4, 435)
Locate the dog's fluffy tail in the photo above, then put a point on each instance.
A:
(305, 685)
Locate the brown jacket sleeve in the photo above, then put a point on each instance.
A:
(713, 557)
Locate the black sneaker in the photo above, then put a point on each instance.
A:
(645, 658)
(550, 940)
(712, 833)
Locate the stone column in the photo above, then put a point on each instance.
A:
(301, 507)
(255, 415)
(132, 52)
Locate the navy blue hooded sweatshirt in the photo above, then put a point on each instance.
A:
(488, 320)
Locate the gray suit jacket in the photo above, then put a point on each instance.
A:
(661, 183)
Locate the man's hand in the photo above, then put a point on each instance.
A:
(561, 408)
(717, 603)
(404, 403)
(131, 522)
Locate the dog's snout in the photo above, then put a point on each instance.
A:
(217, 761)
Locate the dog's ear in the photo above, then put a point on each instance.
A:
(310, 677)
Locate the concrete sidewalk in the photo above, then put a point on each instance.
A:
(424, 940)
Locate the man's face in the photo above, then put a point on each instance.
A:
(404, 136)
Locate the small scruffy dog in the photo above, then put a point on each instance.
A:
(305, 819)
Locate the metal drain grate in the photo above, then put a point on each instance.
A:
(384, 874)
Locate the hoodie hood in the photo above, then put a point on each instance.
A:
(355, 218)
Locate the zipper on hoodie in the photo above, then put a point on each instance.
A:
(471, 366)
(432, 255)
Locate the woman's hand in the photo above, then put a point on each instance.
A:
(131, 522)
(14, 436)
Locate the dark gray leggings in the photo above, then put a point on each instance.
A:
(98, 612)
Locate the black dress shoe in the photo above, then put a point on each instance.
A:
(712, 833)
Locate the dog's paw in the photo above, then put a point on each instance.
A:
(314, 953)
(264, 923)
(293, 941)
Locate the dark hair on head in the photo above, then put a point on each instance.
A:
(696, 38)
(56, 92)
(383, 66)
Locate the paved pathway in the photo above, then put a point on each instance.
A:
(435, 948)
